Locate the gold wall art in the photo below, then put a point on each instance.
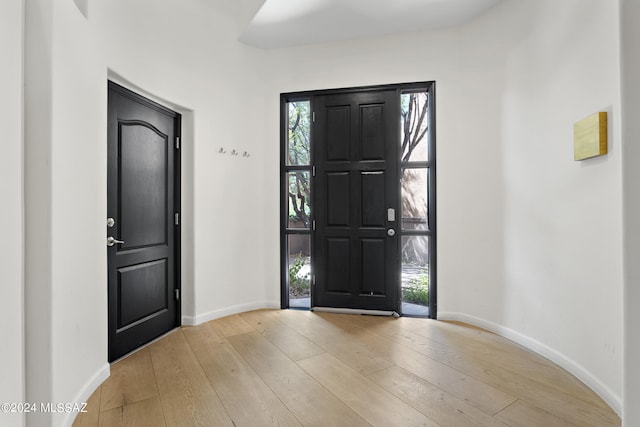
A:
(590, 137)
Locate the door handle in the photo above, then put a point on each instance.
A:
(112, 241)
(391, 232)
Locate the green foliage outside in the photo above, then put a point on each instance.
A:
(417, 291)
(298, 285)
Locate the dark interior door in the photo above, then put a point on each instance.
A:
(143, 261)
(356, 188)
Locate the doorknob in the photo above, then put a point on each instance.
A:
(112, 241)
(391, 232)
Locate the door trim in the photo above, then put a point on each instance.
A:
(287, 97)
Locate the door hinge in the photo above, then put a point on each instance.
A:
(177, 142)
(313, 170)
(313, 225)
(313, 116)
(314, 280)
(176, 218)
(177, 291)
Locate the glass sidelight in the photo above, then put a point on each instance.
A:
(296, 203)
(417, 202)
(298, 133)
(299, 270)
(415, 275)
(414, 185)
(414, 126)
(299, 199)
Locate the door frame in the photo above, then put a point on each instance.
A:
(287, 97)
(148, 101)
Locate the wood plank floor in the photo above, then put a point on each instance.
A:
(292, 368)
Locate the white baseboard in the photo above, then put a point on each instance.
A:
(92, 385)
(611, 398)
(228, 311)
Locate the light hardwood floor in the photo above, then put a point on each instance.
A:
(290, 367)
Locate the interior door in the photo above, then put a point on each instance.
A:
(356, 189)
(142, 227)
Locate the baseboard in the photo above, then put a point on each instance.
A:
(228, 311)
(92, 385)
(611, 399)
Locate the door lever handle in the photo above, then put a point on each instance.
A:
(112, 241)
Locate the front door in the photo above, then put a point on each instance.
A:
(357, 193)
(142, 225)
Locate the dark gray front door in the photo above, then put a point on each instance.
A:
(356, 190)
(143, 192)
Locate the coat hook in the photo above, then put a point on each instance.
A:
(234, 153)
(246, 154)
(222, 150)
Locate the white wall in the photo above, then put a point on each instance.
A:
(630, 34)
(65, 165)
(529, 241)
(562, 218)
(78, 209)
(37, 178)
(11, 214)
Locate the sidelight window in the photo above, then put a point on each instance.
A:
(417, 201)
(296, 203)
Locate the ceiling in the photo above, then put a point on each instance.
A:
(282, 23)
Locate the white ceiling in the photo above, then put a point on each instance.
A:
(281, 23)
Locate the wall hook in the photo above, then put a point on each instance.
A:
(234, 153)
(222, 150)
(246, 154)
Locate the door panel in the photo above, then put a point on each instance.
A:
(143, 185)
(373, 266)
(372, 132)
(338, 201)
(373, 198)
(337, 269)
(339, 133)
(356, 140)
(142, 199)
(142, 290)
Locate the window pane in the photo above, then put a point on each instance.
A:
(298, 139)
(299, 199)
(415, 275)
(414, 119)
(415, 199)
(299, 269)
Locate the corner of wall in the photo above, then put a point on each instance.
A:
(630, 89)
(87, 390)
